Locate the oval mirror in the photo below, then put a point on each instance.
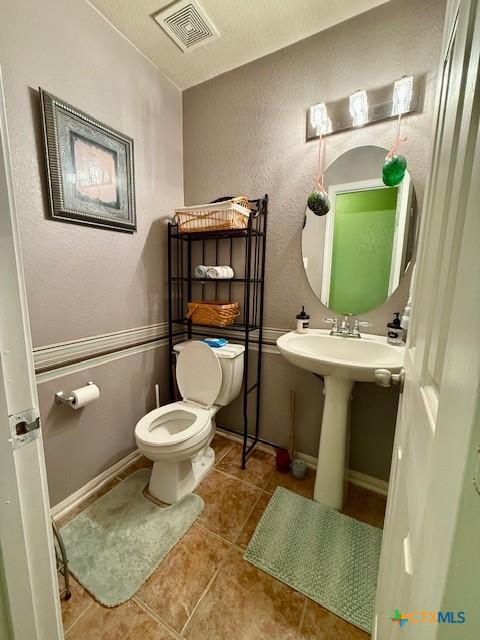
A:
(356, 255)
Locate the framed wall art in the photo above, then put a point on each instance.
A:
(90, 168)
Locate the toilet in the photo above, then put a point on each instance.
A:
(177, 436)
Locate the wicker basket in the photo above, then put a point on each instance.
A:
(217, 216)
(213, 314)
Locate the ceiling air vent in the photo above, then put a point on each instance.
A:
(187, 24)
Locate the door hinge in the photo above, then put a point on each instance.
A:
(24, 427)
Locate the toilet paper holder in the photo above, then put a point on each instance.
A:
(61, 398)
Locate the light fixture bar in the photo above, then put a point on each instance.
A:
(383, 103)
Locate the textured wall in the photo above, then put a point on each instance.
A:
(373, 413)
(244, 132)
(84, 281)
(81, 444)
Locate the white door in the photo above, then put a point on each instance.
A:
(27, 559)
(438, 432)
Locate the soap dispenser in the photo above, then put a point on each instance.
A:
(303, 321)
(395, 331)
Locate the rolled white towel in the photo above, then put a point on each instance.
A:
(220, 273)
(201, 272)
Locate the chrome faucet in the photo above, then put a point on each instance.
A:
(345, 327)
(346, 330)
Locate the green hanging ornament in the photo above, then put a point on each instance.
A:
(318, 201)
(395, 165)
(394, 169)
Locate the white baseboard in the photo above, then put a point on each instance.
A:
(229, 435)
(368, 482)
(310, 461)
(63, 508)
(355, 477)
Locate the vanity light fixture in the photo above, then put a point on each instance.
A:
(359, 107)
(366, 106)
(320, 120)
(402, 95)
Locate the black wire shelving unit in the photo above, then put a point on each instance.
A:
(244, 250)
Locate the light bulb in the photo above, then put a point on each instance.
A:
(359, 107)
(319, 119)
(402, 95)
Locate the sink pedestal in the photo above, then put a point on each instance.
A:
(341, 362)
(332, 453)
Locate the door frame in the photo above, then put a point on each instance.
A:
(26, 540)
(445, 557)
(402, 220)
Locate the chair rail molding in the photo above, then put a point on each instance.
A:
(53, 356)
(73, 353)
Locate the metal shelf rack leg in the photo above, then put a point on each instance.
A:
(249, 329)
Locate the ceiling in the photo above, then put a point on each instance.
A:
(249, 29)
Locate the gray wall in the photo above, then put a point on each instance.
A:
(373, 414)
(84, 281)
(81, 444)
(244, 132)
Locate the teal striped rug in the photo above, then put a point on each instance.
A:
(327, 556)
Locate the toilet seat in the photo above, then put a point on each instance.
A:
(199, 378)
(199, 374)
(172, 424)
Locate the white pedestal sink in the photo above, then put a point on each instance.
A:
(342, 362)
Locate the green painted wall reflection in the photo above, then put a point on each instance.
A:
(362, 249)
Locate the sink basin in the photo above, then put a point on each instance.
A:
(342, 362)
(347, 358)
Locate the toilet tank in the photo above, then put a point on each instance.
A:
(231, 361)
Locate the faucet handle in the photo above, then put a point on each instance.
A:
(357, 325)
(334, 323)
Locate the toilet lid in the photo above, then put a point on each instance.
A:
(199, 374)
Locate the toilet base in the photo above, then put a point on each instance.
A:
(171, 481)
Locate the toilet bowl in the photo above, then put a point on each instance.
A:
(177, 436)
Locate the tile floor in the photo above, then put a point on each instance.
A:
(203, 589)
